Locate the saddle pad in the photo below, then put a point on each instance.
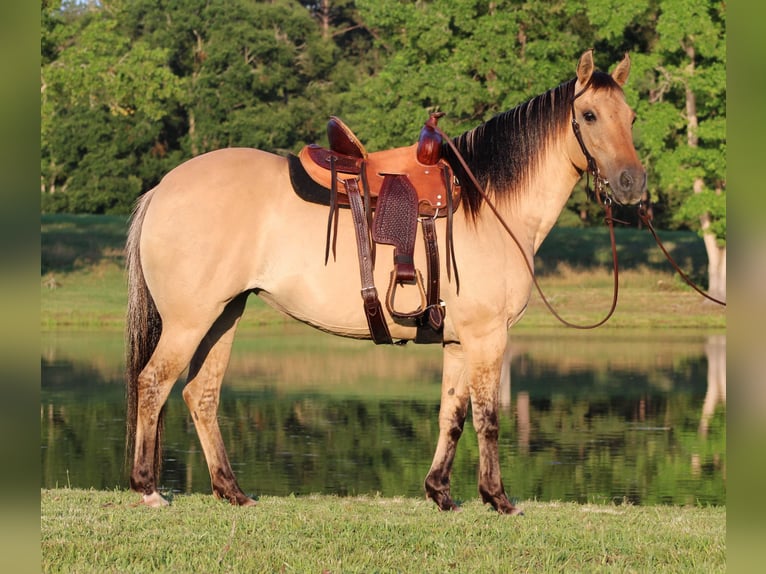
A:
(304, 185)
(396, 223)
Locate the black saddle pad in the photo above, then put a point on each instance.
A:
(305, 187)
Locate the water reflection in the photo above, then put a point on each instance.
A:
(586, 417)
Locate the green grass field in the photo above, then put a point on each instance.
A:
(90, 531)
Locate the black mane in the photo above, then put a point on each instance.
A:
(503, 152)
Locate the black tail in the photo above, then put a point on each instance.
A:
(142, 332)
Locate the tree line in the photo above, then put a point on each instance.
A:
(131, 88)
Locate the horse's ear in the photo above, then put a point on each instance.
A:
(622, 70)
(585, 68)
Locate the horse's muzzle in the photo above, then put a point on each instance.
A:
(629, 187)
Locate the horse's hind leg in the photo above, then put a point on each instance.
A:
(171, 356)
(202, 394)
(452, 413)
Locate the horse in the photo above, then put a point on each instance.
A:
(227, 224)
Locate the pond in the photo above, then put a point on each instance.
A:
(586, 416)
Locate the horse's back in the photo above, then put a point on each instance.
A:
(224, 171)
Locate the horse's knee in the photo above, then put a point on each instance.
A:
(452, 424)
(486, 424)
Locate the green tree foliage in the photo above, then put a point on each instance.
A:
(469, 58)
(130, 88)
(104, 106)
(682, 84)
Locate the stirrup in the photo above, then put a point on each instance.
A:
(391, 296)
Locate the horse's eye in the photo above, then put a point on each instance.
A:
(589, 117)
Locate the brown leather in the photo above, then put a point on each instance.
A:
(344, 164)
(343, 140)
(429, 150)
(372, 308)
(399, 186)
(431, 323)
(396, 223)
(428, 180)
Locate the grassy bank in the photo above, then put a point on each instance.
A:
(83, 284)
(89, 531)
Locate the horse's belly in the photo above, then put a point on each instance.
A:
(328, 297)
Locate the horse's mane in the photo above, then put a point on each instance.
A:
(505, 151)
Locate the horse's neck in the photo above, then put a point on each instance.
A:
(536, 211)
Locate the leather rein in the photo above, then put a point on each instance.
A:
(604, 199)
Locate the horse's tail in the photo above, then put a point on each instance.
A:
(142, 331)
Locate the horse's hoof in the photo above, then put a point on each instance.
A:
(512, 511)
(247, 502)
(154, 500)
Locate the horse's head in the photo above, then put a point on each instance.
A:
(604, 121)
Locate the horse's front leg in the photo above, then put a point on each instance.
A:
(484, 383)
(452, 413)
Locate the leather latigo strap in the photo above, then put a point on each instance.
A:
(372, 308)
(431, 323)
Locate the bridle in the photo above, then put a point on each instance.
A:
(603, 197)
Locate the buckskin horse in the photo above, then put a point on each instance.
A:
(228, 223)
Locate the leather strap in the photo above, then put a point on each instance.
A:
(431, 322)
(343, 163)
(372, 308)
(451, 262)
(332, 217)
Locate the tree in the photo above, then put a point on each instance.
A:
(104, 103)
(684, 134)
(469, 58)
(131, 88)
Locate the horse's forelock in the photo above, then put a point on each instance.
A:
(602, 81)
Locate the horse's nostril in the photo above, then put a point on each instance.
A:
(626, 180)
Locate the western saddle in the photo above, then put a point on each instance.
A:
(388, 192)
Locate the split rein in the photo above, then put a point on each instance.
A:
(604, 199)
(646, 221)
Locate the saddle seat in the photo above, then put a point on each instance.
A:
(422, 164)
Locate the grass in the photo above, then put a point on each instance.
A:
(83, 283)
(95, 531)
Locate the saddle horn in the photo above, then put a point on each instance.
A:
(429, 150)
